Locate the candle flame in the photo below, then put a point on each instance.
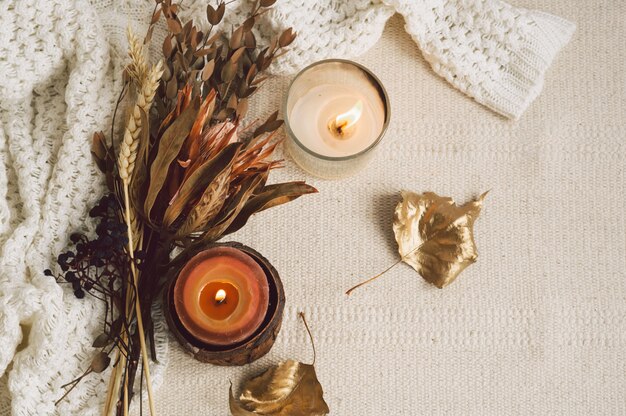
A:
(348, 119)
(220, 296)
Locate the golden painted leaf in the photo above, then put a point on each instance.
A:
(288, 389)
(435, 236)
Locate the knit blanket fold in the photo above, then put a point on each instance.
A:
(60, 66)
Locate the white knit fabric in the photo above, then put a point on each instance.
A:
(60, 67)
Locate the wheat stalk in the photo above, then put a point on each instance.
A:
(209, 204)
(147, 82)
(138, 68)
(130, 143)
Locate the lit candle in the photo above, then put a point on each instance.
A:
(336, 113)
(221, 296)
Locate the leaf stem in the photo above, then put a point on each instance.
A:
(133, 268)
(310, 336)
(373, 278)
(385, 271)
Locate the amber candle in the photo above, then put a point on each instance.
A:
(221, 296)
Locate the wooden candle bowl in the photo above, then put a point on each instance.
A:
(243, 352)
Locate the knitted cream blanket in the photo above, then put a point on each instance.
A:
(60, 63)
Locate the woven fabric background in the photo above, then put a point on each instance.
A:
(537, 326)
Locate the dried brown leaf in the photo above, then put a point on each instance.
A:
(99, 150)
(169, 146)
(248, 92)
(221, 9)
(211, 14)
(208, 206)
(232, 102)
(233, 207)
(435, 236)
(156, 16)
(269, 125)
(248, 24)
(270, 196)
(237, 54)
(286, 38)
(101, 341)
(267, 3)
(229, 71)
(168, 49)
(242, 108)
(172, 89)
(196, 184)
(100, 362)
(236, 38)
(208, 69)
(148, 37)
(174, 26)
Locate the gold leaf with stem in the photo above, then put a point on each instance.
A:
(290, 388)
(435, 236)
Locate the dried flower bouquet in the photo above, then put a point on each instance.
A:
(184, 174)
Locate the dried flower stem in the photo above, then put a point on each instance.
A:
(133, 268)
(114, 381)
(148, 82)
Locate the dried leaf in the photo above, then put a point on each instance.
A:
(169, 146)
(289, 389)
(248, 24)
(234, 206)
(174, 26)
(172, 89)
(249, 40)
(156, 16)
(242, 108)
(100, 362)
(236, 38)
(195, 185)
(208, 70)
(101, 341)
(211, 14)
(208, 206)
(237, 54)
(435, 236)
(148, 37)
(229, 71)
(270, 196)
(232, 102)
(221, 8)
(168, 49)
(267, 3)
(99, 150)
(286, 38)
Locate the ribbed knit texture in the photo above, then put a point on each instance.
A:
(60, 66)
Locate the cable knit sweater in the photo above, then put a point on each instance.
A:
(60, 66)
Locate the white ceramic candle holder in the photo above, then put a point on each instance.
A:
(321, 92)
